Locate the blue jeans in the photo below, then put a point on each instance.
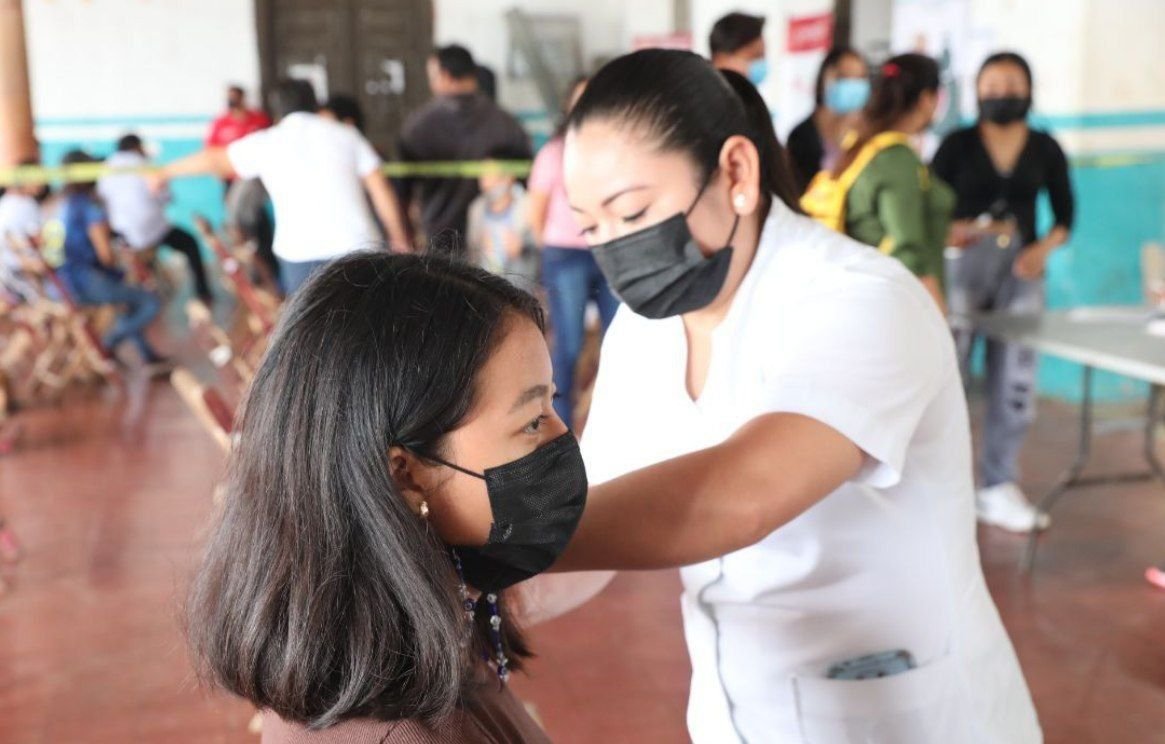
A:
(95, 286)
(294, 273)
(572, 279)
(981, 279)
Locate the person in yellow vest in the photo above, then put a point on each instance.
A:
(880, 192)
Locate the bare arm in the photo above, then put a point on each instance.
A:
(548, 596)
(388, 210)
(711, 502)
(211, 161)
(538, 206)
(1033, 260)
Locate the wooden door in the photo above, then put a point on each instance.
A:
(374, 50)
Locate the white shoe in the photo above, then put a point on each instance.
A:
(1005, 506)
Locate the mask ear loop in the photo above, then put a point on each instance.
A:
(700, 195)
(439, 461)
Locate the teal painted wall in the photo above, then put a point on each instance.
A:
(1119, 209)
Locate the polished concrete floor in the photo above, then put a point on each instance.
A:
(110, 495)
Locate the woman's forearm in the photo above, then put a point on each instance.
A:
(714, 501)
(1055, 238)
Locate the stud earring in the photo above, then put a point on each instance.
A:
(738, 201)
(424, 510)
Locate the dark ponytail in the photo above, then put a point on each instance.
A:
(776, 174)
(683, 104)
(900, 84)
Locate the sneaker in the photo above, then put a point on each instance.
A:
(1005, 506)
(1155, 576)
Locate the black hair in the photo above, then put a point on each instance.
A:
(900, 84)
(1008, 58)
(236, 88)
(346, 107)
(129, 143)
(323, 596)
(79, 157)
(564, 117)
(507, 152)
(832, 60)
(683, 104)
(487, 82)
(457, 61)
(290, 96)
(734, 32)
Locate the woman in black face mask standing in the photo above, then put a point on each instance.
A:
(998, 169)
(779, 410)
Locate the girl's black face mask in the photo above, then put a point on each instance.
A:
(1005, 109)
(537, 502)
(660, 272)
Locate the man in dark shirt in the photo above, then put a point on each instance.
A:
(461, 123)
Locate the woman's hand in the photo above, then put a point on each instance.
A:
(962, 233)
(1032, 262)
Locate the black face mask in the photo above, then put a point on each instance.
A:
(537, 502)
(1005, 110)
(660, 272)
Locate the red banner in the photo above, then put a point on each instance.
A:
(810, 33)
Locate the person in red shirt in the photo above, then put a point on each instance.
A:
(246, 200)
(237, 121)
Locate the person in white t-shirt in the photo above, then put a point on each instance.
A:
(317, 171)
(139, 215)
(20, 226)
(779, 410)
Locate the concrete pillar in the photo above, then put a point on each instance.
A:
(16, 133)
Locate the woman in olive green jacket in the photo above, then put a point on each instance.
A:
(887, 197)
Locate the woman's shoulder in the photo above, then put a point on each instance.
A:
(355, 731)
(491, 715)
(961, 137)
(896, 163)
(805, 259)
(1045, 143)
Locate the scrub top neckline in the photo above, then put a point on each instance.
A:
(765, 248)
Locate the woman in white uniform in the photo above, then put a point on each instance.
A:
(811, 386)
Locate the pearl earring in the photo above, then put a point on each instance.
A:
(424, 510)
(738, 201)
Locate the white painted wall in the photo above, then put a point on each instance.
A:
(870, 27)
(1088, 57)
(117, 59)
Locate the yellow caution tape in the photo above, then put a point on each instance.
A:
(89, 172)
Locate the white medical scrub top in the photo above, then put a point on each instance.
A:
(828, 328)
